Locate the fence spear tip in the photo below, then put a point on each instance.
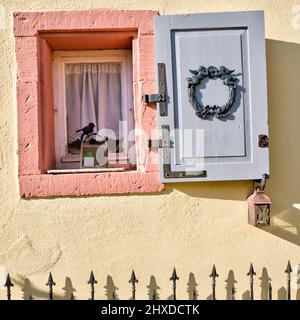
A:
(92, 279)
(174, 276)
(8, 282)
(133, 278)
(50, 281)
(289, 268)
(251, 271)
(214, 273)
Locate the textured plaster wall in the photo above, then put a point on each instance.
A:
(190, 226)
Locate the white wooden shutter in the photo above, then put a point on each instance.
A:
(204, 142)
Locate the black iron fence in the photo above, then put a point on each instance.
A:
(133, 281)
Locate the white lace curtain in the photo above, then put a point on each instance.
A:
(93, 94)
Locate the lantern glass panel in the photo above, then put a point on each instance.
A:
(263, 214)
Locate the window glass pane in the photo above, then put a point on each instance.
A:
(93, 94)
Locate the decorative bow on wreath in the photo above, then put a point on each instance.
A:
(205, 112)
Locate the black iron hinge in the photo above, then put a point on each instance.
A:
(159, 97)
(165, 144)
(166, 155)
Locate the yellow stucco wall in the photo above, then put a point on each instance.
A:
(190, 226)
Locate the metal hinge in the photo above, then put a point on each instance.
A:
(263, 141)
(159, 97)
(182, 174)
(167, 171)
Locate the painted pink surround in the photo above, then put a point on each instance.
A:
(37, 34)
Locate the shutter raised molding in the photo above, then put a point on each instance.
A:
(215, 118)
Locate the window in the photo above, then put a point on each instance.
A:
(96, 87)
(38, 38)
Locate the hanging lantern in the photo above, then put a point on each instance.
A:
(259, 208)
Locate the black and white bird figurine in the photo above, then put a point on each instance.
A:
(86, 130)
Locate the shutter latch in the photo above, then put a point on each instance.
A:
(153, 98)
(160, 143)
(154, 144)
(263, 141)
(159, 97)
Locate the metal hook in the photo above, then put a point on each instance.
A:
(261, 184)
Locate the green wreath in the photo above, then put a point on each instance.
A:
(205, 112)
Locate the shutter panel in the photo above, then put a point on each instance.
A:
(210, 124)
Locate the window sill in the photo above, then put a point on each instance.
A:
(85, 170)
(89, 184)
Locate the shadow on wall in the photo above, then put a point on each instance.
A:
(230, 286)
(226, 190)
(283, 66)
(30, 292)
(153, 289)
(192, 287)
(111, 289)
(264, 284)
(69, 291)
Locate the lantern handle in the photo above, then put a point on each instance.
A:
(260, 185)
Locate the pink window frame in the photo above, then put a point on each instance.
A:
(35, 39)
